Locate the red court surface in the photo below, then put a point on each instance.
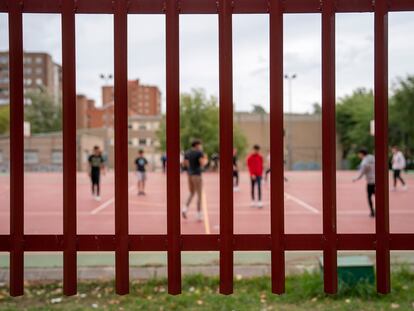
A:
(303, 206)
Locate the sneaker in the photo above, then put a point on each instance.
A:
(98, 198)
(372, 214)
(259, 204)
(184, 212)
(393, 189)
(253, 204)
(199, 216)
(405, 187)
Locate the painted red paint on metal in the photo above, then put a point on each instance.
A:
(329, 147)
(381, 147)
(226, 146)
(173, 147)
(208, 6)
(69, 147)
(16, 148)
(277, 221)
(226, 242)
(121, 147)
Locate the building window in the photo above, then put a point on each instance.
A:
(27, 60)
(28, 71)
(130, 126)
(31, 157)
(142, 127)
(39, 70)
(27, 82)
(39, 81)
(57, 157)
(1, 156)
(4, 80)
(39, 60)
(4, 59)
(142, 142)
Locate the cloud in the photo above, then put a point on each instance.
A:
(199, 52)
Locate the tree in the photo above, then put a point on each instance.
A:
(4, 119)
(353, 116)
(258, 109)
(199, 119)
(317, 108)
(43, 113)
(401, 112)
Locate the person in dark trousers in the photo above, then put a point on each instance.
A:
(194, 160)
(96, 165)
(269, 170)
(164, 163)
(141, 165)
(367, 168)
(398, 165)
(255, 166)
(235, 171)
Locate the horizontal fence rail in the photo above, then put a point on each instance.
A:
(277, 242)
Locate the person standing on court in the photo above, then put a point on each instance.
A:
(96, 165)
(398, 164)
(255, 166)
(367, 168)
(194, 161)
(141, 165)
(164, 162)
(235, 171)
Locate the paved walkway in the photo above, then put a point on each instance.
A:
(144, 265)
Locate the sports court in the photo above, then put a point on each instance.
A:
(147, 214)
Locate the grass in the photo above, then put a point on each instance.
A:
(304, 292)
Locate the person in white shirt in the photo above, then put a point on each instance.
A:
(398, 164)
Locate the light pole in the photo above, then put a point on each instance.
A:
(290, 78)
(106, 78)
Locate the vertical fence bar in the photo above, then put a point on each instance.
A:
(277, 223)
(329, 147)
(226, 146)
(69, 147)
(173, 146)
(381, 147)
(16, 148)
(121, 147)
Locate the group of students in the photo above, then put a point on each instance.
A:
(195, 160)
(97, 167)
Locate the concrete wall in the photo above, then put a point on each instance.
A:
(303, 138)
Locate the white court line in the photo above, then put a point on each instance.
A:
(107, 203)
(205, 212)
(301, 203)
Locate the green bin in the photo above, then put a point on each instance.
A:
(354, 269)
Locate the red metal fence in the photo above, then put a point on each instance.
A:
(226, 242)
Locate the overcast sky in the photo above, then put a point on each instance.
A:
(199, 52)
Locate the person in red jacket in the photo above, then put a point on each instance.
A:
(255, 166)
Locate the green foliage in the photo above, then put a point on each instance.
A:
(258, 109)
(4, 119)
(199, 119)
(354, 112)
(316, 108)
(401, 126)
(353, 116)
(43, 113)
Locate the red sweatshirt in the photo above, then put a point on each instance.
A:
(255, 164)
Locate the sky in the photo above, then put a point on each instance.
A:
(199, 53)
